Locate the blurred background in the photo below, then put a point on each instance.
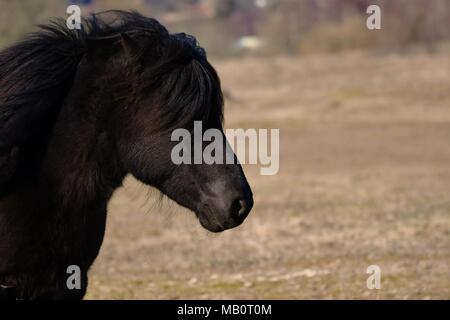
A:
(230, 28)
(364, 119)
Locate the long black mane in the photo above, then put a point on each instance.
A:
(37, 73)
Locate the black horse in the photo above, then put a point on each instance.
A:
(79, 110)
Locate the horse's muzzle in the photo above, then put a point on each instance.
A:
(217, 219)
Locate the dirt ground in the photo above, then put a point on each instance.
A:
(364, 180)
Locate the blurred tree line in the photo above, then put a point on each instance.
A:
(336, 25)
(280, 26)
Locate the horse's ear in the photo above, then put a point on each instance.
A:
(129, 45)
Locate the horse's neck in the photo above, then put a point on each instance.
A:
(80, 165)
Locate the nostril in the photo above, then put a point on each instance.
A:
(243, 207)
(240, 207)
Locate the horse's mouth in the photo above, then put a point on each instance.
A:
(209, 225)
(215, 223)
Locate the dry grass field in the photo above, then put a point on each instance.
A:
(364, 179)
